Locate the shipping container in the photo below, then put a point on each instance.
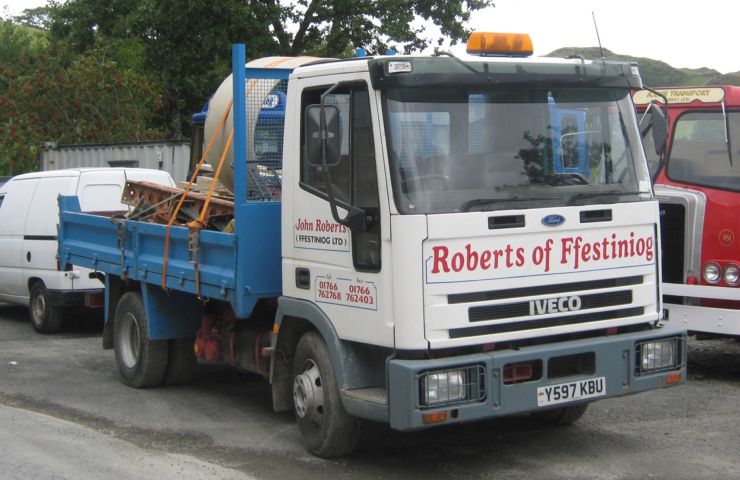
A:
(170, 156)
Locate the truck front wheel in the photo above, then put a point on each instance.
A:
(142, 362)
(562, 416)
(326, 427)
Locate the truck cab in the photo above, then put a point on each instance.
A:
(439, 222)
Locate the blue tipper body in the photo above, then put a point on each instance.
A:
(239, 267)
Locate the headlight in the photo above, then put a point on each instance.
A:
(732, 274)
(712, 272)
(658, 355)
(443, 387)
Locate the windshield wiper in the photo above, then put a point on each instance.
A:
(611, 193)
(486, 201)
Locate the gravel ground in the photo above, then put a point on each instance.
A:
(65, 414)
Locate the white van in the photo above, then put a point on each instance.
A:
(29, 218)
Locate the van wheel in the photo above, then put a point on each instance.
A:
(326, 427)
(141, 362)
(562, 416)
(181, 362)
(45, 318)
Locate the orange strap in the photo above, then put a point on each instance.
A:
(196, 225)
(207, 150)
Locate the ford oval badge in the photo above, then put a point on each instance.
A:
(553, 220)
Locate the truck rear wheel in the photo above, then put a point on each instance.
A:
(326, 427)
(142, 362)
(562, 416)
(45, 318)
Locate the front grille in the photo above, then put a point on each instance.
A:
(544, 323)
(672, 239)
(523, 308)
(543, 290)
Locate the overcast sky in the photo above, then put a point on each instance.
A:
(681, 33)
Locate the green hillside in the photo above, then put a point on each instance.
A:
(654, 72)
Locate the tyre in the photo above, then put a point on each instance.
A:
(326, 427)
(45, 318)
(562, 416)
(141, 362)
(180, 362)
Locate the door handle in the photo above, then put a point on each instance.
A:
(303, 278)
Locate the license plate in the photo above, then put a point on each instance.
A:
(567, 392)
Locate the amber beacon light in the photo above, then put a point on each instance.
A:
(508, 44)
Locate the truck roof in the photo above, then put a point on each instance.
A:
(507, 66)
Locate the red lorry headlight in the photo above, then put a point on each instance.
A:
(712, 272)
(732, 274)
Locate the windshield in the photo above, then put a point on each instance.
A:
(474, 148)
(700, 155)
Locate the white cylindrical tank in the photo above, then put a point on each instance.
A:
(257, 92)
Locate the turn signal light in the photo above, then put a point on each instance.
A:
(504, 44)
(434, 417)
(672, 378)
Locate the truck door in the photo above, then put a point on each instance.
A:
(338, 269)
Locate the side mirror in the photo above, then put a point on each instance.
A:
(314, 135)
(655, 118)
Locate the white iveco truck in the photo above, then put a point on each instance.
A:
(446, 240)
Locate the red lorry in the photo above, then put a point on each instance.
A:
(697, 182)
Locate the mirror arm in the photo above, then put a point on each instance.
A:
(665, 102)
(356, 219)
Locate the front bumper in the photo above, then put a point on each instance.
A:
(615, 360)
(703, 319)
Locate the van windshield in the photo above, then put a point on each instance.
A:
(486, 148)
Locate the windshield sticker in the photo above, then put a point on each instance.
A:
(399, 67)
(564, 253)
(320, 234)
(346, 292)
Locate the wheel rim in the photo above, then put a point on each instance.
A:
(308, 395)
(130, 340)
(38, 308)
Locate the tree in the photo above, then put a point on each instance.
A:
(330, 27)
(185, 43)
(92, 100)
